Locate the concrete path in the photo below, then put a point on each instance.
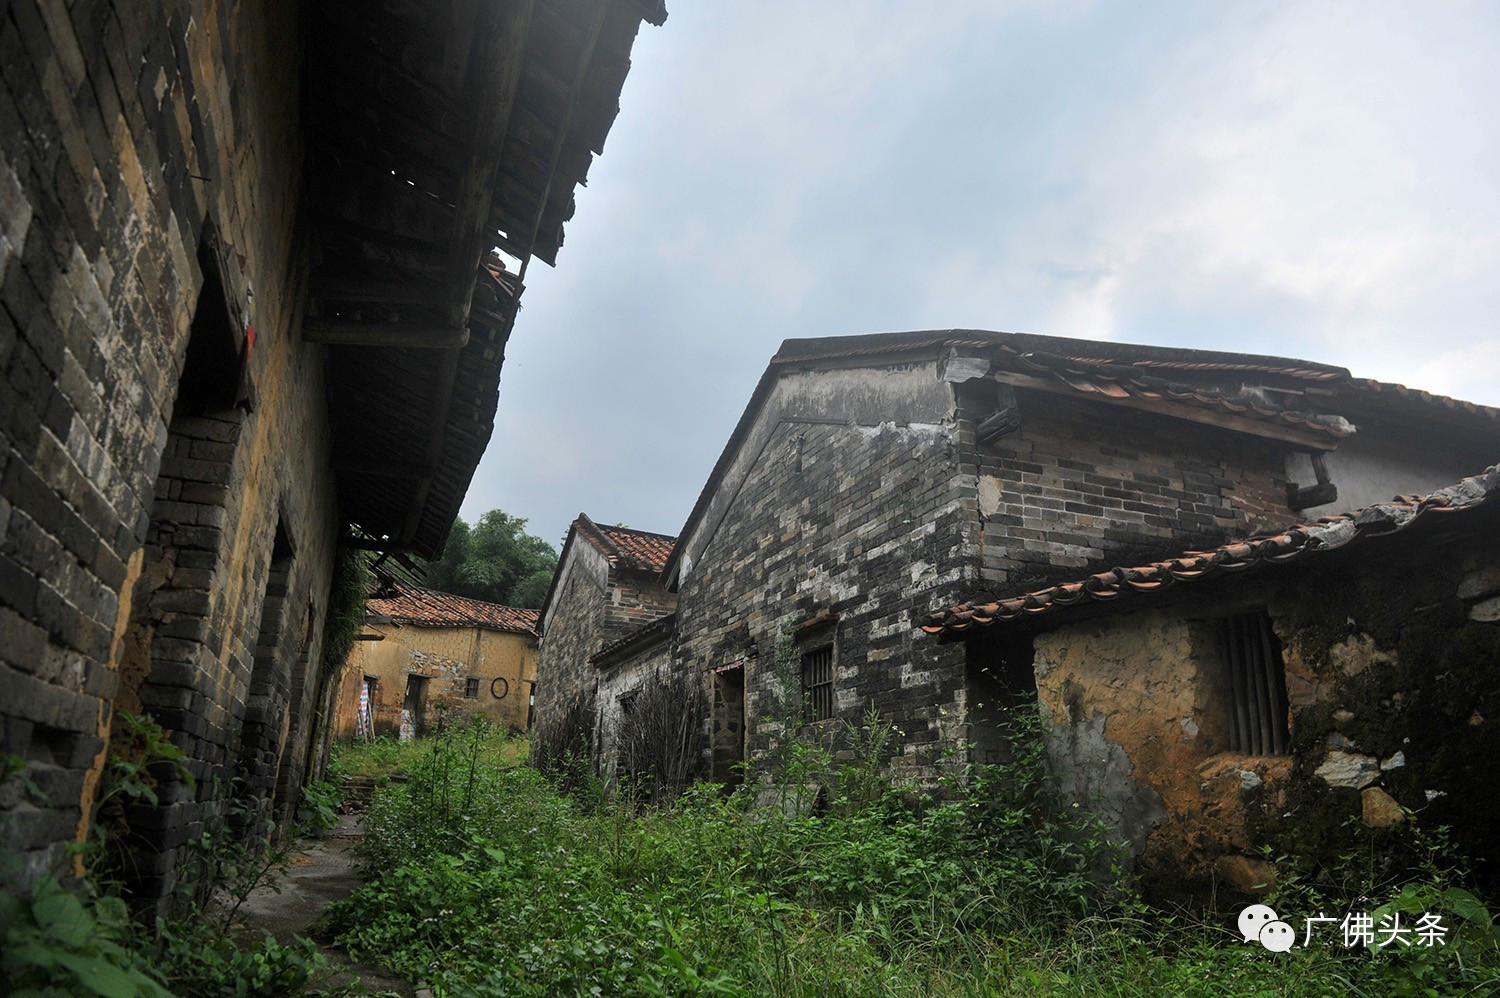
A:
(320, 871)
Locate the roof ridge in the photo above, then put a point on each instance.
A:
(459, 596)
(597, 532)
(636, 530)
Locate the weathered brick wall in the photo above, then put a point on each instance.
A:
(871, 523)
(634, 599)
(595, 603)
(128, 132)
(572, 628)
(616, 683)
(1083, 487)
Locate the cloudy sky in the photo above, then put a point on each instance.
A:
(1316, 180)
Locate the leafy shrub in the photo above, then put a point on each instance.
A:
(318, 810)
(58, 942)
(61, 941)
(196, 957)
(997, 885)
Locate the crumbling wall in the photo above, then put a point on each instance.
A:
(1391, 676)
(1389, 661)
(502, 662)
(1140, 734)
(573, 628)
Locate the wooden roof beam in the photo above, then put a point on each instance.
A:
(442, 401)
(412, 335)
(1282, 432)
(383, 468)
(388, 292)
(563, 127)
(494, 71)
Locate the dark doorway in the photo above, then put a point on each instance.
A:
(998, 679)
(263, 735)
(414, 708)
(729, 725)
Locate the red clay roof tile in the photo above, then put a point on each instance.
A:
(428, 607)
(639, 550)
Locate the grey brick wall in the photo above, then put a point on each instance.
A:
(595, 603)
(1082, 487)
(868, 523)
(572, 629)
(135, 140)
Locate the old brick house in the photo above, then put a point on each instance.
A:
(427, 657)
(874, 478)
(607, 588)
(258, 266)
(1268, 690)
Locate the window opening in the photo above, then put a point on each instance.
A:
(471, 687)
(1257, 685)
(817, 683)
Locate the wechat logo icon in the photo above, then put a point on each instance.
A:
(1260, 924)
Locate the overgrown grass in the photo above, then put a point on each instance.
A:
(385, 756)
(493, 882)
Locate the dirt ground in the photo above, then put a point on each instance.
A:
(320, 871)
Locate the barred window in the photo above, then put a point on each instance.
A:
(471, 687)
(1256, 678)
(817, 683)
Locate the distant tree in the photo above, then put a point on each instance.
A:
(495, 560)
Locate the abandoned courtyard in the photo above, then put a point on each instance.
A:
(980, 499)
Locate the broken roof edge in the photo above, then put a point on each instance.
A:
(893, 347)
(1091, 351)
(647, 635)
(1324, 535)
(604, 538)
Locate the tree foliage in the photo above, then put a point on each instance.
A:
(495, 560)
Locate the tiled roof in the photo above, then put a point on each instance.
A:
(415, 605)
(1329, 533)
(638, 550)
(1132, 380)
(1415, 397)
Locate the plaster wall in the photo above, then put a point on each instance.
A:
(1391, 704)
(504, 662)
(1382, 461)
(1139, 733)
